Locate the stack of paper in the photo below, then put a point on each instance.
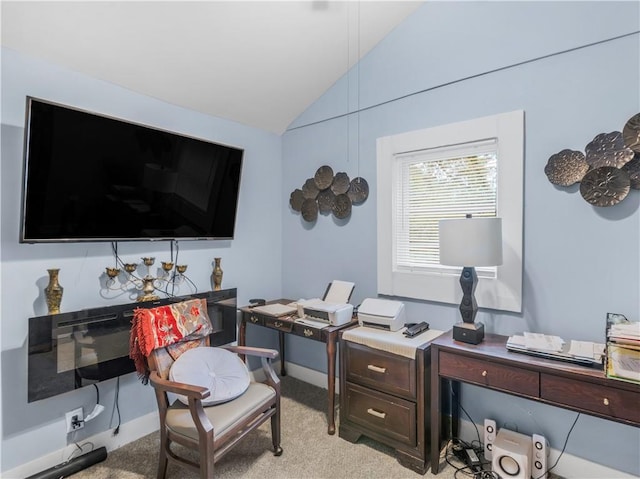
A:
(554, 347)
(623, 349)
(277, 309)
(543, 342)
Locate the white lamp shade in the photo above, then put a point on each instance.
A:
(471, 242)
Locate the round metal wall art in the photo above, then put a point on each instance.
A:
(328, 193)
(631, 134)
(342, 206)
(608, 169)
(358, 190)
(309, 189)
(566, 168)
(309, 210)
(340, 183)
(605, 186)
(323, 177)
(633, 168)
(608, 149)
(296, 200)
(326, 200)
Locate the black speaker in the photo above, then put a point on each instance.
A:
(74, 465)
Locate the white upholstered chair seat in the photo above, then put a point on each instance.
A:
(222, 416)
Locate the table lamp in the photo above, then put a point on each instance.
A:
(470, 242)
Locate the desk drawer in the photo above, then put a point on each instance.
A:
(386, 415)
(603, 400)
(381, 370)
(489, 374)
(278, 324)
(254, 319)
(307, 332)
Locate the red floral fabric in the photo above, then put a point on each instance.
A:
(153, 328)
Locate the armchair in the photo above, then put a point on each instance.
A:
(212, 430)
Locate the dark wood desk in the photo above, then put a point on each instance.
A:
(288, 325)
(557, 383)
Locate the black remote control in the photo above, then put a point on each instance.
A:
(416, 329)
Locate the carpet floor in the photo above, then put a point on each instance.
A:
(309, 452)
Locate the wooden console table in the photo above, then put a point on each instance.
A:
(288, 325)
(556, 383)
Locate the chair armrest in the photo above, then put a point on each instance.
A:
(196, 392)
(249, 351)
(266, 356)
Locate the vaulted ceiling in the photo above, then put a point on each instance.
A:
(259, 63)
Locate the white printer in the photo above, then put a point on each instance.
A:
(333, 309)
(335, 314)
(382, 314)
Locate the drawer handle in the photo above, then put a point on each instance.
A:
(254, 319)
(484, 373)
(278, 324)
(377, 369)
(606, 402)
(375, 413)
(307, 332)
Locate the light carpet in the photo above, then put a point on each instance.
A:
(309, 452)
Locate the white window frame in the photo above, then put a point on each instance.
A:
(502, 292)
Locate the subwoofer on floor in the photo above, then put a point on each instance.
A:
(511, 455)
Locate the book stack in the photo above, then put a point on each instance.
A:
(623, 349)
(586, 353)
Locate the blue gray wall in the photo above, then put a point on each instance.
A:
(556, 61)
(252, 262)
(453, 61)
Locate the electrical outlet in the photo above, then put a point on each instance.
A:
(74, 420)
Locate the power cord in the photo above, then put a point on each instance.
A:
(453, 394)
(80, 448)
(566, 440)
(484, 474)
(116, 407)
(461, 452)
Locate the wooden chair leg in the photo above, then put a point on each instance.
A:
(163, 460)
(275, 434)
(206, 457)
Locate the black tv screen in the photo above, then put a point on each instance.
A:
(88, 177)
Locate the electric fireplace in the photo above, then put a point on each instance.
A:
(71, 350)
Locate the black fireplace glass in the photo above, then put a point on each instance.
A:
(71, 350)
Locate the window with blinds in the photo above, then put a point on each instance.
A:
(435, 184)
(448, 171)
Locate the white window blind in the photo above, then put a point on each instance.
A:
(447, 171)
(435, 184)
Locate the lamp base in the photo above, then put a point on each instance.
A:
(472, 333)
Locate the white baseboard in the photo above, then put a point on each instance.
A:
(569, 467)
(310, 376)
(141, 426)
(129, 431)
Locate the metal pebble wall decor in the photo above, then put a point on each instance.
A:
(328, 193)
(607, 171)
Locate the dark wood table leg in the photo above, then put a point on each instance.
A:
(242, 336)
(283, 371)
(436, 418)
(455, 408)
(331, 380)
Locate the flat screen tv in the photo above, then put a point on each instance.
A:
(89, 177)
